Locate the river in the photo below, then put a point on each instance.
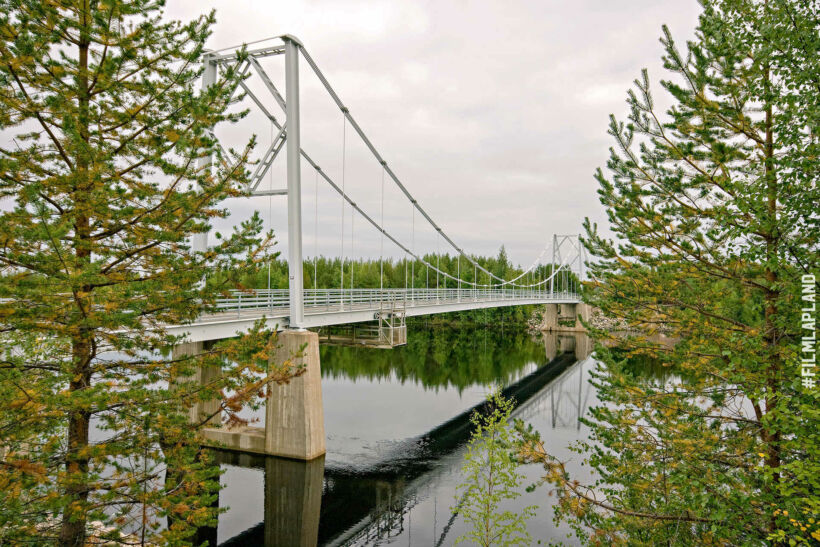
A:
(397, 426)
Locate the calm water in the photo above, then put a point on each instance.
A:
(397, 424)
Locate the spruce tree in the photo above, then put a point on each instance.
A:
(714, 209)
(103, 173)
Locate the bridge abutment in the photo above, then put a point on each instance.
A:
(574, 313)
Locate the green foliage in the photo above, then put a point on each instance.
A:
(106, 131)
(491, 477)
(714, 209)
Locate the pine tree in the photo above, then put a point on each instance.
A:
(715, 211)
(105, 135)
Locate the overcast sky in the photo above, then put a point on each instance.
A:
(493, 114)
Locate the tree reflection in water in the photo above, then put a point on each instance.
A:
(440, 358)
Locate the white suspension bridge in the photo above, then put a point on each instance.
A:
(297, 307)
(294, 423)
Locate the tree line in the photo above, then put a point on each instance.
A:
(372, 273)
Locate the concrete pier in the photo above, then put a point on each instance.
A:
(550, 321)
(555, 313)
(581, 311)
(295, 421)
(294, 416)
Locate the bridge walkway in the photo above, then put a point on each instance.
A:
(325, 307)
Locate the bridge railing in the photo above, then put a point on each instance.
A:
(319, 300)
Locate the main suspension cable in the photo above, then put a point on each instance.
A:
(372, 148)
(387, 234)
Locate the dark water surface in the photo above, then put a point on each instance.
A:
(397, 422)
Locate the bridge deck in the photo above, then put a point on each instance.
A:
(324, 307)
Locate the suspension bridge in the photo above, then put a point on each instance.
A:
(294, 310)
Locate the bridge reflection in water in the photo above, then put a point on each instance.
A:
(350, 503)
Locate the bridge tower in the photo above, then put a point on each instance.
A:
(294, 177)
(294, 424)
(566, 249)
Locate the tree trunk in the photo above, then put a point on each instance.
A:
(72, 531)
(76, 492)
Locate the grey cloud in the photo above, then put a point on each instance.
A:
(494, 114)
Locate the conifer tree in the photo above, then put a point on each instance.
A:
(104, 180)
(714, 207)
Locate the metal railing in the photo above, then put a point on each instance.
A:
(331, 300)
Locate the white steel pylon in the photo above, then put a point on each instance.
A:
(288, 136)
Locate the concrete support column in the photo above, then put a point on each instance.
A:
(550, 321)
(202, 376)
(584, 311)
(294, 421)
(293, 501)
